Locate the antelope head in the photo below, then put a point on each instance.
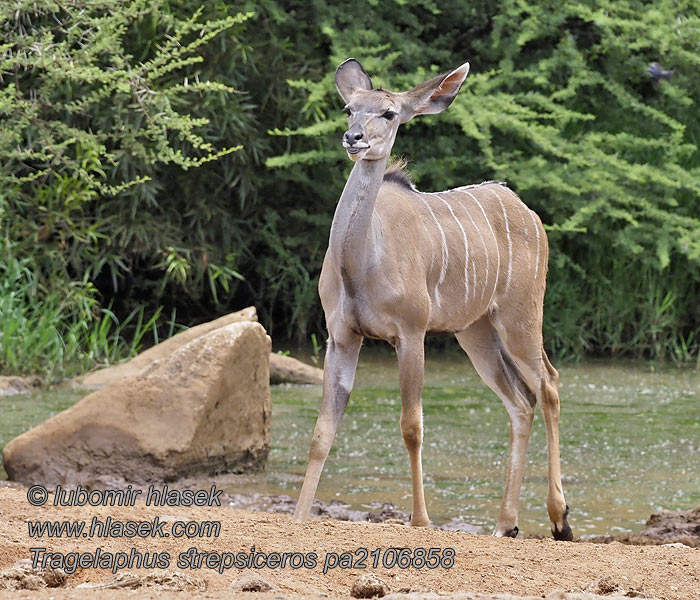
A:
(374, 116)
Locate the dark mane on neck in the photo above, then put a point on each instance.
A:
(396, 173)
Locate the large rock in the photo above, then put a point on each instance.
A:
(203, 409)
(283, 369)
(104, 377)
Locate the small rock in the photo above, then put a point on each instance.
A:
(662, 528)
(285, 369)
(252, 583)
(675, 545)
(11, 385)
(54, 578)
(22, 576)
(166, 580)
(368, 585)
(385, 512)
(608, 586)
(458, 524)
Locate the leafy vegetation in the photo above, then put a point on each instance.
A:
(92, 99)
(185, 155)
(61, 335)
(561, 107)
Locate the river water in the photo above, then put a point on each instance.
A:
(630, 444)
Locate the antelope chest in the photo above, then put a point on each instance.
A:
(372, 307)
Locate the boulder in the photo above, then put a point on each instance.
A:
(285, 369)
(104, 377)
(204, 409)
(11, 385)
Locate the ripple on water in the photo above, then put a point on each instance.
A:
(627, 446)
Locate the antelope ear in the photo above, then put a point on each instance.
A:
(434, 95)
(351, 76)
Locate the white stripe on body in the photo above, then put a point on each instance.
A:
(527, 238)
(495, 239)
(432, 254)
(533, 216)
(432, 266)
(510, 242)
(445, 251)
(466, 247)
(483, 243)
(537, 231)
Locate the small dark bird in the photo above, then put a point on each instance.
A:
(657, 72)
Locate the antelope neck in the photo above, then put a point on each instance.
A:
(349, 241)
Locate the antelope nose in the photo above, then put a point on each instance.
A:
(353, 136)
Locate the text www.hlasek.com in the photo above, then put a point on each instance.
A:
(109, 528)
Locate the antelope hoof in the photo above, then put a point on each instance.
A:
(300, 517)
(564, 534)
(420, 521)
(511, 533)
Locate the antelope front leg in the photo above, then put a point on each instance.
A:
(411, 365)
(338, 377)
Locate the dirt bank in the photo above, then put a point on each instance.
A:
(481, 563)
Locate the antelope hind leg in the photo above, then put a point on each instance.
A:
(497, 369)
(542, 377)
(549, 404)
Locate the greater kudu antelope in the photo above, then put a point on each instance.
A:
(401, 263)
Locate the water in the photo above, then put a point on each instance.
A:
(630, 442)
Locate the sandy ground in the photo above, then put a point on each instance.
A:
(482, 564)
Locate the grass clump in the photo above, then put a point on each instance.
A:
(62, 333)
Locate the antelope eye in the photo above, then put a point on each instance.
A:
(389, 115)
(347, 111)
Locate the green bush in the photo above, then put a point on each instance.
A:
(112, 113)
(63, 334)
(99, 101)
(559, 105)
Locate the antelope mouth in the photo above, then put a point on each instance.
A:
(356, 148)
(356, 153)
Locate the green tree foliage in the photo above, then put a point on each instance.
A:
(108, 106)
(96, 106)
(558, 103)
